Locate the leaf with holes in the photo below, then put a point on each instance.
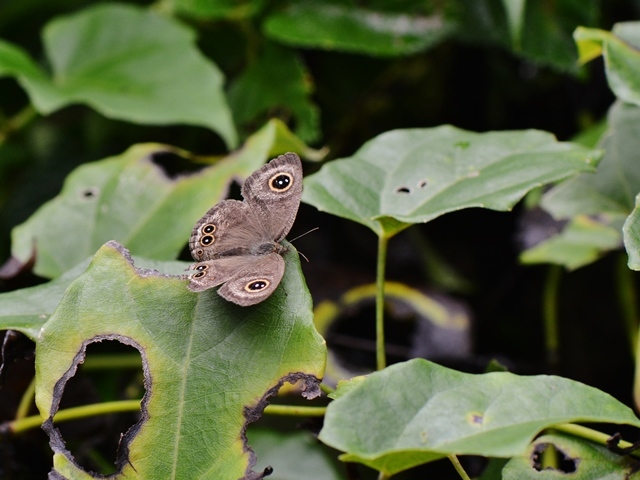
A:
(127, 63)
(416, 412)
(209, 365)
(409, 176)
(576, 459)
(135, 199)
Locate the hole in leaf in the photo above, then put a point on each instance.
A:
(403, 189)
(423, 183)
(547, 456)
(173, 165)
(112, 371)
(89, 193)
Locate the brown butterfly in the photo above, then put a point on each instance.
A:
(237, 244)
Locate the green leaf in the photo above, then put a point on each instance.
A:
(131, 199)
(588, 461)
(127, 63)
(276, 81)
(293, 455)
(415, 175)
(349, 28)
(617, 181)
(416, 412)
(209, 365)
(621, 56)
(581, 242)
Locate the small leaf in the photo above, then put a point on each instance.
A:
(115, 59)
(580, 460)
(209, 365)
(416, 412)
(355, 29)
(581, 242)
(617, 181)
(276, 81)
(409, 176)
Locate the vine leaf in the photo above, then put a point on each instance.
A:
(114, 58)
(209, 365)
(416, 412)
(409, 176)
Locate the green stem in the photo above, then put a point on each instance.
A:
(294, 410)
(628, 301)
(27, 423)
(458, 466)
(27, 400)
(591, 435)
(381, 359)
(383, 476)
(17, 122)
(550, 312)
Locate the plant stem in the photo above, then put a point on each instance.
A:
(591, 435)
(458, 466)
(27, 423)
(550, 312)
(628, 301)
(381, 360)
(383, 476)
(294, 410)
(27, 400)
(18, 121)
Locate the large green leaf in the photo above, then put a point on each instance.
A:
(130, 198)
(276, 81)
(341, 26)
(415, 412)
(127, 63)
(580, 460)
(408, 176)
(209, 365)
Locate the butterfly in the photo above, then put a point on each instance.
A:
(237, 244)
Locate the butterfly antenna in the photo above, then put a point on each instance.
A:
(305, 233)
(303, 256)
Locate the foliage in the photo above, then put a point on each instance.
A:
(122, 123)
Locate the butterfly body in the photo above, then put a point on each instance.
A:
(237, 244)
